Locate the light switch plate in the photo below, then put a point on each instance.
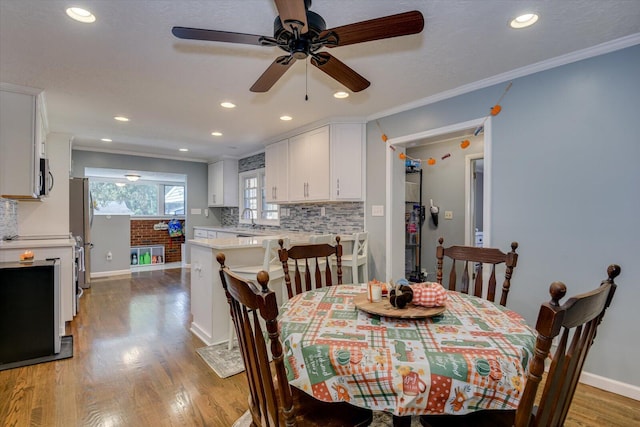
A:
(196, 211)
(377, 210)
(448, 214)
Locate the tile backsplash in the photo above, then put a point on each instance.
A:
(8, 217)
(339, 218)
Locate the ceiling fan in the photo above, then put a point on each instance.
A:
(302, 33)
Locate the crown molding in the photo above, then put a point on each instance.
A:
(136, 153)
(558, 61)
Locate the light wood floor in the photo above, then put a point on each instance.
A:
(135, 364)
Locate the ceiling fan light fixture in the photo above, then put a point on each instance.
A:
(286, 118)
(523, 21)
(81, 15)
(341, 94)
(132, 177)
(227, 104)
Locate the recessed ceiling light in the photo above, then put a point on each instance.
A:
(121, 118)
(183, 149)
(106, 140)
(132, 177)
(216, 133)
(227, 104)
(524, 20)
(341, 94)
(286, 118)
(81, 15)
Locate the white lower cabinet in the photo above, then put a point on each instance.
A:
(209, 306)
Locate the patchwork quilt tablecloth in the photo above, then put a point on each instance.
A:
(471, 357)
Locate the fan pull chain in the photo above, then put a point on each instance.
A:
(306, 80)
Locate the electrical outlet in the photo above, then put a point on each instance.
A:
(109, 256)
(448, 214)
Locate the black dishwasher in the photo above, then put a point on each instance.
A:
(29, 310)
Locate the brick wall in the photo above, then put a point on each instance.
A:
(143, 234)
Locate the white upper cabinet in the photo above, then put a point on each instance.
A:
(223, 183)
(309, 166)
(325, 164)
(276, 158)
(347, 161)
(20, 143)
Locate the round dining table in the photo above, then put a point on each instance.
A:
(472, 356)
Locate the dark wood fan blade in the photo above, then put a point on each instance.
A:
(293, 13)
(273, 73)
(215, 36)
(340, 71)
(386, 27)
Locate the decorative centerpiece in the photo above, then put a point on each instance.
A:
(400, 296)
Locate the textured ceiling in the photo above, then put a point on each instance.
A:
(128, 63)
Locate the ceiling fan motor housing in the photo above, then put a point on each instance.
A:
(299, 45)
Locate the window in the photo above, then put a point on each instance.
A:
(253, 202)
(137, 199)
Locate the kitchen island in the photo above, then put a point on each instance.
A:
(209, 306)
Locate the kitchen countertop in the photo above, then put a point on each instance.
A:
(245, 242)
(36, 243)
(238, 230)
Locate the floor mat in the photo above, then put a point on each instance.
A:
(224, 362)
(66, 351)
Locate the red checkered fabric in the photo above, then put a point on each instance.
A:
(429, 294)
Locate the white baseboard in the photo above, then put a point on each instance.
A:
(99, 274)
(617, 387)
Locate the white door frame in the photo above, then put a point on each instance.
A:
(395, 245)
(469, 232)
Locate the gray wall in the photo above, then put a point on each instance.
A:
(196, 172)
(110, 233)
(565, 185)
(444, 183)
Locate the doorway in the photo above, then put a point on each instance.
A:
(474, 199)
(395, 233)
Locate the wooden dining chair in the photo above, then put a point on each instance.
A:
(474, 258)
(312, 262)
(575, 323)
(272, 401)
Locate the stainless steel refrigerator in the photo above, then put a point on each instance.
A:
(80, 220)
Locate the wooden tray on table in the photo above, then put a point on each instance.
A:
(384, 308)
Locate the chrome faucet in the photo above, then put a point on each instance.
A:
(244, 215)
